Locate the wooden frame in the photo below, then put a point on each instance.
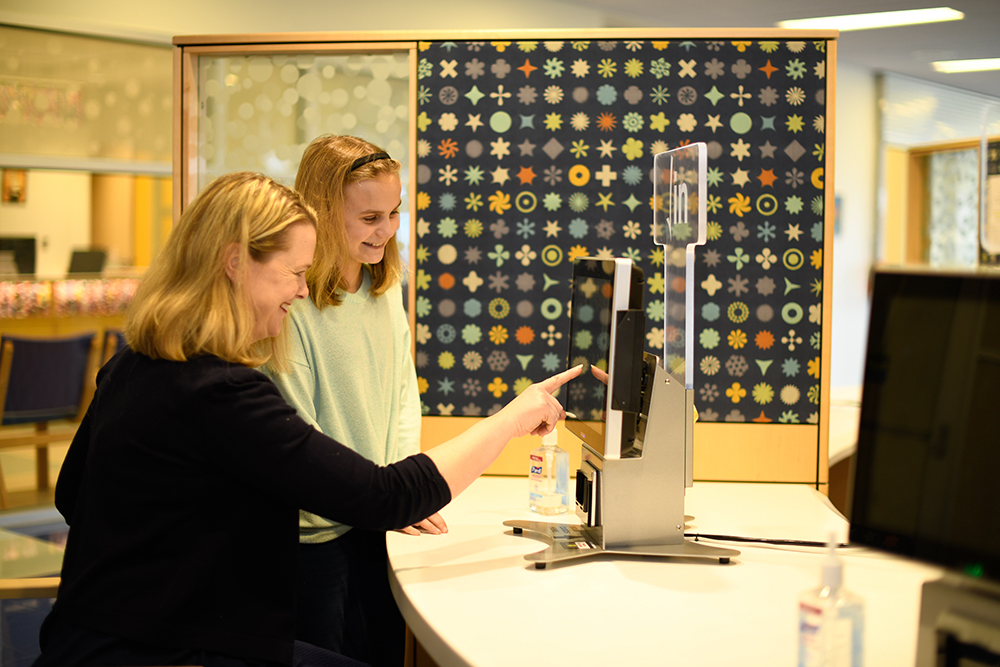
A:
(29, 587)
(906, 177)
(323, 38)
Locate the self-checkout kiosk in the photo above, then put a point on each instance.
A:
(634, 411)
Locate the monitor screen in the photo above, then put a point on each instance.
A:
(605, 316)
(929, 445)
(87, 261)
(23, 250)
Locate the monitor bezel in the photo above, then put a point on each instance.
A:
(863, 532)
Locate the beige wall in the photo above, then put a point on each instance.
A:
(857, 143)
(57, 213)
(129, 216)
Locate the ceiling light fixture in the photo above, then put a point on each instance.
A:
(875, 19)
(978, 65)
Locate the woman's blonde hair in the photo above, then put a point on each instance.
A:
(326, 169)
(186, 305)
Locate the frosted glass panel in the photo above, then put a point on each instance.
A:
(259, 112)
(70, 96)
(953, 184)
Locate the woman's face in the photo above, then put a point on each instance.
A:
(371, 218)
(274, 283)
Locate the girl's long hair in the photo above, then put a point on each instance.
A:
(323, 176)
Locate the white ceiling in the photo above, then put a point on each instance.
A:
(904, 50)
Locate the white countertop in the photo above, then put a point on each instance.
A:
(471, 598)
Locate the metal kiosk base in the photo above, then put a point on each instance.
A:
(634, 506)
(570, 542)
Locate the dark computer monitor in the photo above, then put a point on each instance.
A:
(24, 252)
(607, 329)
(928, 454)
(87, 261)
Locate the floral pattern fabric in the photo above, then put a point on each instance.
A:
(534, 153)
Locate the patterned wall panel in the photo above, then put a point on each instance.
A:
(531, 154)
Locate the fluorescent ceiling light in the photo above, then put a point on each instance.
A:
(979, 65)
(876, 19)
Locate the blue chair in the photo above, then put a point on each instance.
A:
(114, 340)
(48, 383)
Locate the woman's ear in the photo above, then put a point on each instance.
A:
(231, 257)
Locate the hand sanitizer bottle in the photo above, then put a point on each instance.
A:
(548, 477)
(831, 619)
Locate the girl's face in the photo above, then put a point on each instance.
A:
(371, 218)
(280, 279)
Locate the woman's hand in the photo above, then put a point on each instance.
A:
(434, 524)
(536, 411)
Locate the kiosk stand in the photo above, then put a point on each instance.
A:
(634, 504)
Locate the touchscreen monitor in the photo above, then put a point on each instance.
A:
(928, 447)
(606, 331)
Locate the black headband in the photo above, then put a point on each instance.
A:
(371, 157)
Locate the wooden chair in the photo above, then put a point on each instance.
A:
(48, 383)
(29, 587)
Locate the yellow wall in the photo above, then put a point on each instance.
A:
(513, 460)
(111, 216)
(722, 452)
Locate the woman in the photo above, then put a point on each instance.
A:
(182, 485)
(351, 375)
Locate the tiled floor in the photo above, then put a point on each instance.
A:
(31, 514)
(20, 621)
